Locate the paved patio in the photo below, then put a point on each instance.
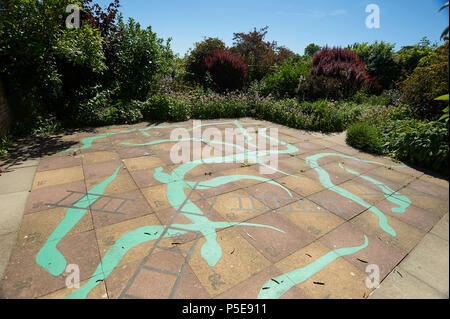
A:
(109, 206)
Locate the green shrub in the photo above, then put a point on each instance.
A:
(285, 80)
(381, 61)
(420, 143)
(364, 136)
(143, 59)
(43, 62)
(5, 144)
(428, 81)
(315, 87)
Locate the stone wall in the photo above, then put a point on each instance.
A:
(5, 114)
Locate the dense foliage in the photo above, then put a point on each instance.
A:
(195, 58)
(227, 71)
(342, 65)
(428, 81)
(259, 55)
(111, 71)
(380, 61)
(55, 74)
(286, 78)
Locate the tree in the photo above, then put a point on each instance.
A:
(428, 81)
(343, 65)
(381, 61)
(286, 78)
(42, 61)
(261, 56)
(227, 71)
(143, 60)
(196, 56)
(409, 56)
(312, 49)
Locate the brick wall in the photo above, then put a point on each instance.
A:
(5, 114)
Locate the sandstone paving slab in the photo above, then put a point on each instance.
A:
(274, 244)
(240, 260)
(390, 174)
(301, 184)
(58, 177)
(123, 183)
(310, 217)
(98, 293)
(420, 187)
(342, 206)
(337, 174)
(39, 199)
(53, 163)
(344, 149)
(406, 237)
(339, 280)
(157, 197)
(239, 206)
(412, 215)
(364, 190)
(108, 211)
(307, 147)
(23, 279)
(99, 157)
(37, 227)
(108, 236)
(431, 203)
(272, 196)
(251, 287)
(378, 253)
(443, 182)
(100, 145)
(145, 178)
(102, 169)
(292, 165)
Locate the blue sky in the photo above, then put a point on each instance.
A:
(292, 23)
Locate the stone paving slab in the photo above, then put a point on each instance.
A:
(110, 210)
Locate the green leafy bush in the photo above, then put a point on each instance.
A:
(364, 136)
(42, 62)
(381, 61)
(428, 81)
(143, 59)
(420, 143)
(5, 144)
(315, 87)
(285, 80)
(409, 56)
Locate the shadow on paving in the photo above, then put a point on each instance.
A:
(35, 147)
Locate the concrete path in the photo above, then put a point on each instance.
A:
(107, 213)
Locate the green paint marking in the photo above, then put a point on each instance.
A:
(402, 201)
(325, 180)
(49, 256)
(87, 142)
(275, 289)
